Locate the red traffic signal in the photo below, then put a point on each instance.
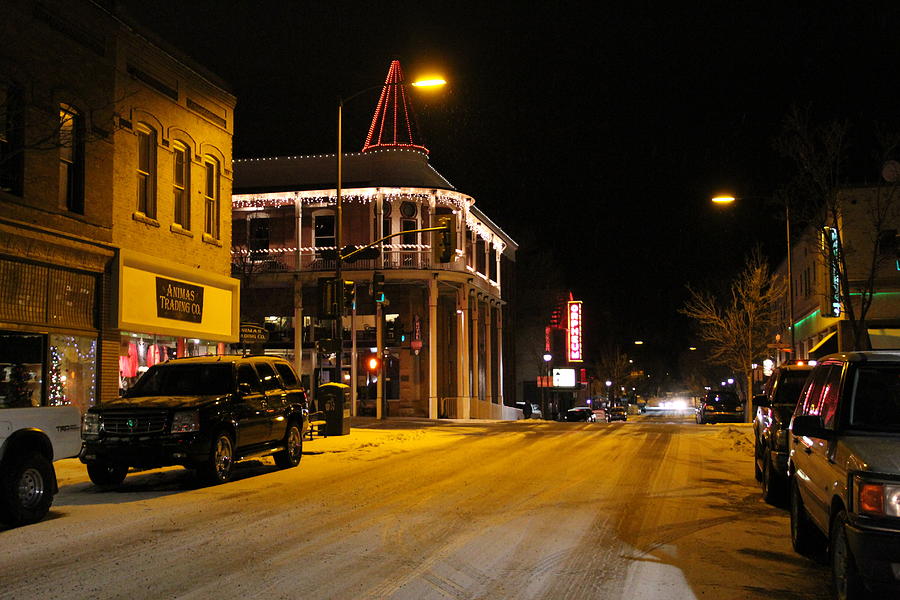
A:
(372, 363)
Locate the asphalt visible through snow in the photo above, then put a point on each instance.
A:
(654, 508)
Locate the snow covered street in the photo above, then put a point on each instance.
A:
(653, 508)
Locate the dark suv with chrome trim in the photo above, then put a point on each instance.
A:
(720, 405)
(844, 471)
(203, 413)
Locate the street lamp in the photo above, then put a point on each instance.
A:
(338, 331)
(726, 199)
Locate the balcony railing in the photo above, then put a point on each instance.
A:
(276, 260)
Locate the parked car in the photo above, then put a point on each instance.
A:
(615, 413)
(203, 413)
(775, 407)
(720, 405)
(580, 413)
(31, 438)
(845, 473)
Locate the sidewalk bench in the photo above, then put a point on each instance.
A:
(316, 422)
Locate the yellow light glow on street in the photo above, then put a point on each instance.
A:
(723, 199)
(433, 82)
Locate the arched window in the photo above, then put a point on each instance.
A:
(146, 170)
(71, 159)
(211, 197)
(181, 183)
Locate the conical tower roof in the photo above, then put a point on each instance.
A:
(394, 124)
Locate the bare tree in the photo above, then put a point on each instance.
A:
(614, 366)
(737, 329)
(856, 231)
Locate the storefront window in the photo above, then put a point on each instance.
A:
(21, 370)
(138, 352)
(72, 371)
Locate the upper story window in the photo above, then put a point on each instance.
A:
(71, 159)
(386, 228)
(211, 196)
(11, 140)
(259, 236)
(146, 171)
(181, 183)
(323, 230)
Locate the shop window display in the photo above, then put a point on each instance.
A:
(72, 371)
(139, 352)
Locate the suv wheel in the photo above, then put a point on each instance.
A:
(803, 533)
(772, 483)
(219, 465)
(104, 473)
(26, 490)
(293, 449)
(847, 582)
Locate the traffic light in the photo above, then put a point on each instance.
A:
(378, 287)
(349, 295)
(326, 298)
(443, 243)
(372, 363)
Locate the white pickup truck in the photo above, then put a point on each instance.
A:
(30, 440)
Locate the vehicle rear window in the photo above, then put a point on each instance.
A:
(185, 380)
(876, 398)
(723, 398)
(287, 374)
(790, 386)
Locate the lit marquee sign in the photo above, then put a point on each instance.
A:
(573, 336)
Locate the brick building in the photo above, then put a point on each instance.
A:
(115, 161)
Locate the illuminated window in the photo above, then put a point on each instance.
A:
(71, 159)
(181, 158)
(11, 132)
(146, 171)
(211, 198)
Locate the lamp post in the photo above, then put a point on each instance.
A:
(547, 358)
(338, 330)
(725, 199)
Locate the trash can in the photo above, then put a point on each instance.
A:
(334, 400)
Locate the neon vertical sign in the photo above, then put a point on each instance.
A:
(573, 335)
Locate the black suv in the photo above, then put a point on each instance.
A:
(720, 405)
(775, 406)
(203, 413)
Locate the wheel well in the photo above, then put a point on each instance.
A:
(837, 505)
(25, 441)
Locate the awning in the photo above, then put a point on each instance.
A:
(827, 345)
(885, 339)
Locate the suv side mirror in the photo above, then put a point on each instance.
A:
(761, 400)
(810, 426)
(244, 389)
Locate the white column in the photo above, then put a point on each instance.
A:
(489, 358)
(432, 348)
(476, 337)
(500, 354)
(298, 324)
(462, 337)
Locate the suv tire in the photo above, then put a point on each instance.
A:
(293, 449)
(26, 490)
(104, 473)
(845, 577)
(219, 466)
(772, 485)
(803, 532)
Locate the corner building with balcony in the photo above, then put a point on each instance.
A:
(441, 340)
(115, 156)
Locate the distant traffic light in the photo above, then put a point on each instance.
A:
(443, 243)
(372, 363)
(326, 298)
(349, 295)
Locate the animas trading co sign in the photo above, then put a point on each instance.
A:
(573, 337)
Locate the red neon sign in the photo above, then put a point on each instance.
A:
(573, 335)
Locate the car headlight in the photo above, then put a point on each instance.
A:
(876, 498)
(91, 424)
(186, 421)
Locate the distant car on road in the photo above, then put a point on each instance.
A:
(720, 405)
(203, 413)
(580, 413)
(615, 413)
(770, 428)
(845, 474)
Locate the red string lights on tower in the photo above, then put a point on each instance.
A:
(394, 116)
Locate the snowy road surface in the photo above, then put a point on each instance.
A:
(646, 509)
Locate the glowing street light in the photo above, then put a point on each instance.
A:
(723, 199)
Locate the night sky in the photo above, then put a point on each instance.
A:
(598, 131)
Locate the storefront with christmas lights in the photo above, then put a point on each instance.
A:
(167, 311)
(49, 320)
